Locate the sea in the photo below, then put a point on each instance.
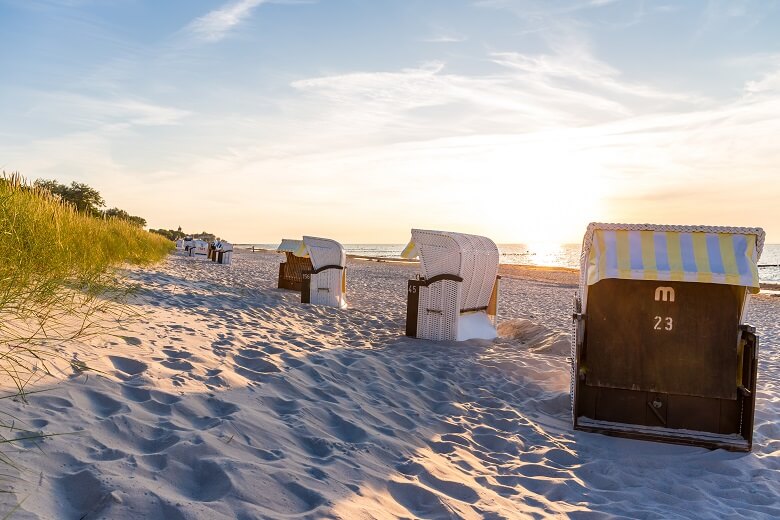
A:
(552, 255)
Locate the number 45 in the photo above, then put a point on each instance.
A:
(662, 323)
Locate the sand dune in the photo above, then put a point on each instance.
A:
(226, 398)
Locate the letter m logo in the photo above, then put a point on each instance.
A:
(664, 294)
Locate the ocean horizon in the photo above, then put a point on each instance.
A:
(543, 255)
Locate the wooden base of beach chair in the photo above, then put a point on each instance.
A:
(433, 307)
(666, 361)
(324, 286)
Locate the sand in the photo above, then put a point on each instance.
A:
(226, 398)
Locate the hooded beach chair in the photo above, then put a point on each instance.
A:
(659, 350)
(179, 245)
(455, 296)
(223, 252)
(326, 282)
(292, 269)
(199, 249)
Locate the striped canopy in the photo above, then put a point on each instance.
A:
(410, 251)
(296, 247)
(678, 253)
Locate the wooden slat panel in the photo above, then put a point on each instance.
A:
(687, 346)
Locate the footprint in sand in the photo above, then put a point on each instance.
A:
(177, 364)
(50, 402)
(129, 366)
(252, 367)
(316, 447)
(283, 407)
(204, 480)
(102, 405)
(308, 499)
(221, 408)
(82, 492)
(421, 502)
(450, 488)
(345, 430)
(138, 395)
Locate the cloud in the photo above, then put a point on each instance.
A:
(445, 38)
(104, 112)
(216, 24)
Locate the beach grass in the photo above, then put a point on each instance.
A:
(58, 273)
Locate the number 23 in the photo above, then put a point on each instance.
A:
(659, 323)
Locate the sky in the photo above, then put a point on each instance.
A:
(521, 120)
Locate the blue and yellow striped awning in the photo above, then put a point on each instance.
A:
(717, 257)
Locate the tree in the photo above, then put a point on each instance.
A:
(124, 215)
(169, 233)
(86, 199)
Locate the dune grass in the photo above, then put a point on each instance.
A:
(58, 274)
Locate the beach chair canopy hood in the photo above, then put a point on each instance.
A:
(473, 258)
(324, 252)
(707, 254)
(295, 247)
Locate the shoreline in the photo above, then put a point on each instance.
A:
(546, 273)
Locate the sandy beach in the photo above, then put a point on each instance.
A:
(227, 398)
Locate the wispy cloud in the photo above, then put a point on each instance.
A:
(445, 38)
(441, 34)
(216, 24)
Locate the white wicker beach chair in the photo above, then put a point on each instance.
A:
(179, 245)
(659, 349)
(199, 249)
(456, 296)
(223, 252)
(326, 283)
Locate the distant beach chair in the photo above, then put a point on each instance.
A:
(456, 296)
(223, 252)
(659, 349)
(199, 249)
(179, 245)
(326, 282)
(292, 269)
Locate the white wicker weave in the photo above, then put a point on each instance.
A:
(327, 287)
(199, 249)
(471, 257)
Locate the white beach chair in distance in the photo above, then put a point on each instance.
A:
(326, 283)
(456, 296)
(660, 347)
(223, 252)
(179, 245)
(199, 249)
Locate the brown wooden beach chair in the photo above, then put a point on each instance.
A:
(292, 269)
(660, 350)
